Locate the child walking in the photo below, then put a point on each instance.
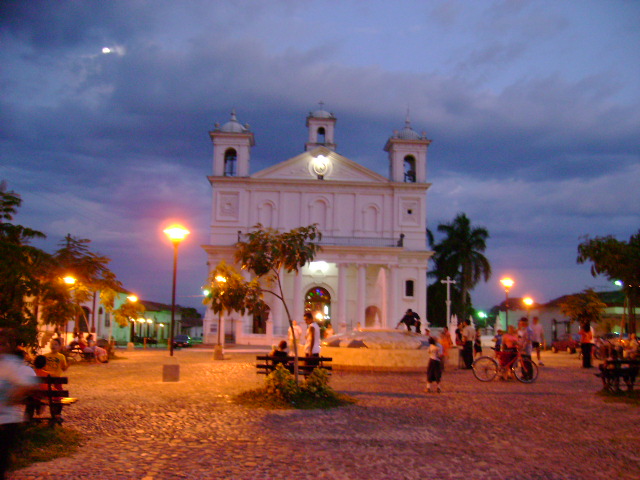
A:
(434, 368)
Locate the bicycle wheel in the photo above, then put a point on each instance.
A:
(485, 369)
(525, 375)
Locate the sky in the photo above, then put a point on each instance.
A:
(533, 108)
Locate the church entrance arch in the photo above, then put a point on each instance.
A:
(317, 300)
(372, 316)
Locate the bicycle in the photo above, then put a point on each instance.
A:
(486, 368)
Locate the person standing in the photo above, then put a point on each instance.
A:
(586, 337)
(446, 343)
(297, 331)
(538, 338)
(56, 361)
(498, 342)
(525, 345)
(434, 367)
(468, 336)
(477, 344)
(312, 344)
(17, 381)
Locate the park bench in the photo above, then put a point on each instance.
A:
(77, 354)
(613, 371)
(267, 364)
(55, 400)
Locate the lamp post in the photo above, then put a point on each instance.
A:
(176, 234)
(507, 283)
(70, 281)
(218, 351)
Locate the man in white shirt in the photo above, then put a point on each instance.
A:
(298, 337)
(312, 345)
(468, 335)
(538, 338)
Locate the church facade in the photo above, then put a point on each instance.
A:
(373, 261)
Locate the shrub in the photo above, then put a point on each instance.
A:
(282, 391)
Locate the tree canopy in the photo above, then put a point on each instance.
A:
(31, 283)
(22, 270)
(585, 307)
(267, 253)
(617, 260)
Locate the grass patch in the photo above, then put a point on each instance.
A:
(41, 443)
(282, 392)
(632, 398)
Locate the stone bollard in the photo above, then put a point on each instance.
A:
(130, 346)
(218, 352)
(171, 370)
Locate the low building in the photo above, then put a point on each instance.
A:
(614, 318)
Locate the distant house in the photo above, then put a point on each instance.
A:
(154, 323)
(614, 318)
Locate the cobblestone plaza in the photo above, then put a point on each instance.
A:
(138, 427)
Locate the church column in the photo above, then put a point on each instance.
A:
(384, 300)
(362, 291)
(421, 293)
(342, 298)
(392, 311)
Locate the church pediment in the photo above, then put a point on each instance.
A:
(320, 162)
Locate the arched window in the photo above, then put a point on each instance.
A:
(321, 135)
(230, 160)
(408, 288)
(409, 169)
(259, 321)
(318, 302)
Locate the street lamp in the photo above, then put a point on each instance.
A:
(507, 283)
(218, 350)
(70, 281)
(528, 301)
(176, 234)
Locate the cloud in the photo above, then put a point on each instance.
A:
(531, 137)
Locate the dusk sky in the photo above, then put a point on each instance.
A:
(533, 108)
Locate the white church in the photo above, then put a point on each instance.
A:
(373, 261)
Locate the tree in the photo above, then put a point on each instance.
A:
(22, 267)
(268, 253)
(460, 256)
(616, 260)
(91, 274)
(229, 291)
(585, 307)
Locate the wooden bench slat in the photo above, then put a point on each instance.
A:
(306, 365)
(54, 400)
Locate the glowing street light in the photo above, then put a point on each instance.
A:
(507, 283)
(69, 280)
(528, 301)
(176, 234)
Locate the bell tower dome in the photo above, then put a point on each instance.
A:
(407, 155)
(321, 126)
(231, 148)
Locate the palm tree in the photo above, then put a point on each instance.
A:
(460, 256)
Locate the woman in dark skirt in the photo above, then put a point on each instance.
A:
(434, 368)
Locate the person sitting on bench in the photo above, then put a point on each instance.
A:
(281, 352)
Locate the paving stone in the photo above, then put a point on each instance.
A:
(138, 427)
